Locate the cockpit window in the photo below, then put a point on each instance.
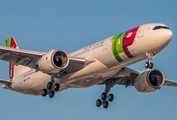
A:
(160, 27)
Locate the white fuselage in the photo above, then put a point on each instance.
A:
(108, 57)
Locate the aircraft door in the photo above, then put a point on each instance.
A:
(141, 31)
(105, 45)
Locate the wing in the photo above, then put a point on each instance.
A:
(29, 58)
(127, 76)
(124, 76)
(170, 83)
(20, 57)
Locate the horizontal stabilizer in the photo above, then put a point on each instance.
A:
(5, 82)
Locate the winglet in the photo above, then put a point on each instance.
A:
(11, 43)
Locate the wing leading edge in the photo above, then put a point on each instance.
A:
(20, 57)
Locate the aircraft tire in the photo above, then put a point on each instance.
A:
(44, 92)
(103, 96)
(49, 85)
(56, 87)
(98, 103)
(105, 104)
(110, 97)
(146, 64)
(51, 94)
(151, 65)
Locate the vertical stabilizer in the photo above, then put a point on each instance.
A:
(13, 69)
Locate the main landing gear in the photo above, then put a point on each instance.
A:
(105, 102)
(51, 88)
(104, 96)
(150, 56)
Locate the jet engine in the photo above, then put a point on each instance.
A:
(149, 80)
(53, 61)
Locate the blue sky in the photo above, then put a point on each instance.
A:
(42, 25)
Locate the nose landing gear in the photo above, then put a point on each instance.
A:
(150, 56)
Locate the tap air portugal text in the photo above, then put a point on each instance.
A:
(103, 63)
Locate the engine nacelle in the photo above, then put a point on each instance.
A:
(53, 61)
(149, 80)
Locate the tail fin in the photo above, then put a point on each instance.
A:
(13, 69)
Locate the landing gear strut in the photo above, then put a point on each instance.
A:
(104, 96)
(150, 56)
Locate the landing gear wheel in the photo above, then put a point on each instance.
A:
(56, 87)
(98, 103)
(151, 65)
(51, 94)
(150, 56)
(110, 97)
(103, 96)
(105, 104)
(146, 64)
(49, 85)
(44, 92)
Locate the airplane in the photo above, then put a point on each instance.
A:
(102, 63)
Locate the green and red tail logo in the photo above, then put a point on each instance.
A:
(121, 42)
(11, 43)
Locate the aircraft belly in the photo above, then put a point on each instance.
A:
(89, 80)
(31, 84)
(84, 82)
(90, 75)
(41, 81)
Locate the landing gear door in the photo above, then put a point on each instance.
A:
(141, 31)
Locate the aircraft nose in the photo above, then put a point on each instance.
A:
(164, 37)
(169, 35)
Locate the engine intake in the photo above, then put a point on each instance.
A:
(149, 80)
(59, 59)
(53, 61)
(155, 78)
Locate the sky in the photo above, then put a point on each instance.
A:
(42, 25)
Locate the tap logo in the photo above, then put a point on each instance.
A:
(129, 34)
(121, 42)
